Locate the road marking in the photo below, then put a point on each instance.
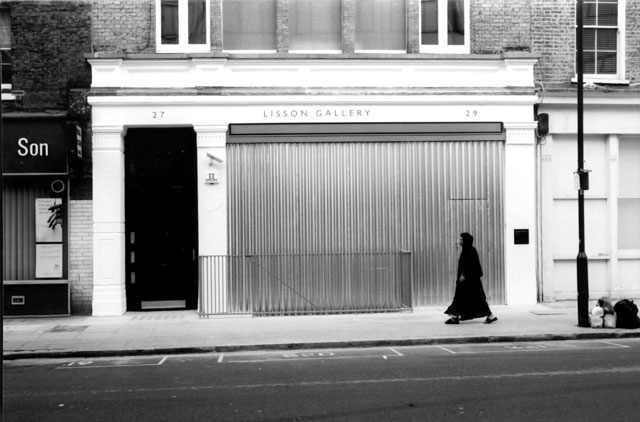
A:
(582, 372)
(615, 344)
(311, 355)
(114, 363)
(221, 358)
(529, 347)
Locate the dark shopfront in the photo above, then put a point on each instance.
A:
(35, 202)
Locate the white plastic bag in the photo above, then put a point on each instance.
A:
(610, 320)
(596, 317)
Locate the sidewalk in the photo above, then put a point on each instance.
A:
(175, 332)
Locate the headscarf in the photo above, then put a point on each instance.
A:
(467, 240)
(469, 262)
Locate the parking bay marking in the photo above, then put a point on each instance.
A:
(529, 347)
(112, 363)
(311, 355)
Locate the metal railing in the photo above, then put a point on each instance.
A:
(305, 283)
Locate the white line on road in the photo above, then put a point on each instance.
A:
(395, 351)
(282, 359)
(584, 372)
(615, 344)
(221, 358)
(90, 365)
(491, 348)
(309, 355)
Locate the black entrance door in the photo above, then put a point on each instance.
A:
(161, 218)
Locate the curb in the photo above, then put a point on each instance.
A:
(59, 354)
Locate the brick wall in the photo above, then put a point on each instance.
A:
(499, 25)
(553, 32)
(81, 256)
(348, 26)
(49, 40)
(633, 41)
(553, 37)
(282, 25)
(124, 26)
(216, 25)
(413, 26)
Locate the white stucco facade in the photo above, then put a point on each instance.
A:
(208, 94)
(612, 154)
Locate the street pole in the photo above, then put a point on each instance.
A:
(582, 262)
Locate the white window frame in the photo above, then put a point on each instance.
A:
(183, 21)
(442, 46)
(618, 78)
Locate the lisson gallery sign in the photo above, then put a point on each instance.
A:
(327, 113)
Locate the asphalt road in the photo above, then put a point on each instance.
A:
(541, 381)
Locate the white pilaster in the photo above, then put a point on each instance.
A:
(212, 212)
(546, 220)
(520, 213)
(212, 197)
(109, 296)
(614, 286)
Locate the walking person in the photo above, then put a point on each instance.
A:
(469, 300)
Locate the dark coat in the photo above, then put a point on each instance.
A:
(469, 300)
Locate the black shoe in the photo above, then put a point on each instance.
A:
(490, 319)
(452, 320)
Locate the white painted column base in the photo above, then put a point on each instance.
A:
(109, 300)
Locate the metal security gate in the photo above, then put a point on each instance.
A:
(305, 283)
(415, 189)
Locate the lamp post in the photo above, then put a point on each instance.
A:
(582, 261)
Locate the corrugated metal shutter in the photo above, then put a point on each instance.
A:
(287, 198)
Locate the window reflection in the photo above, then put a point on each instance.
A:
(600, 37)
(455, 20)
(315, 25)
(429, 19)
(197, 16)
(249, 24)
(170, 22)
(380, 25)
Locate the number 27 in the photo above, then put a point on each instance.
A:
(158, 114)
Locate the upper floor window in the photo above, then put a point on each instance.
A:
(444, 26)
(183, 24)
(5, 51)
(603, 39)
(381, 25)
(315, 25)
(249, 25)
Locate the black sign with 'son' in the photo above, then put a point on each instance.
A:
(34, 146)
